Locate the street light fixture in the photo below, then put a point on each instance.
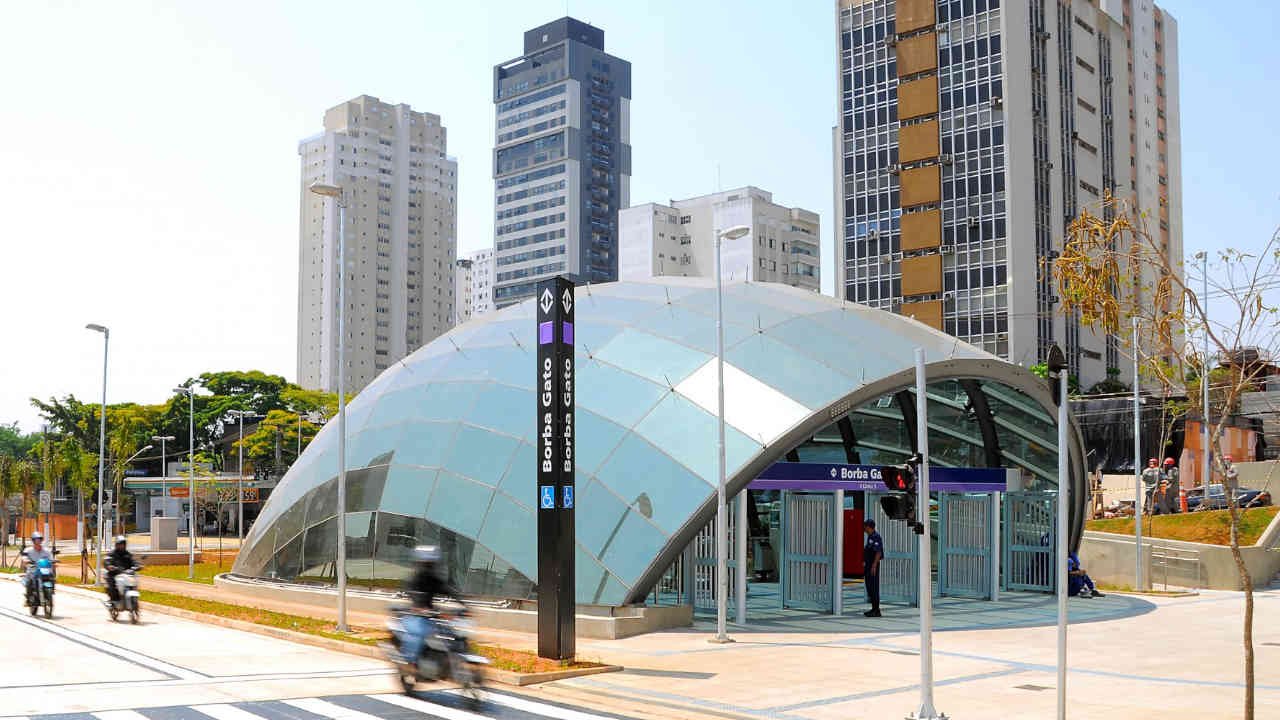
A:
(336, 193)
(191, 485)
(722, 513)
(102, 440)
(164, 471)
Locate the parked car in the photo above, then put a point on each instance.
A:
(1245, 498)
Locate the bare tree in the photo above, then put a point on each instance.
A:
(1112, 270)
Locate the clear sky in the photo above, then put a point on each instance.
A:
(150, 162)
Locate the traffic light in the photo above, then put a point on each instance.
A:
(901, 505)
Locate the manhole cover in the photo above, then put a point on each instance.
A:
(1032, 687)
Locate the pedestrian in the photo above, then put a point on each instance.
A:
(872, 554)
(1078, 581)
(1160, 504)
(1231, 479)
(1175, 484)
(1150, 480)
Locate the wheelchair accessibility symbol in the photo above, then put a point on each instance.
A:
(547, 497)
(567, 502)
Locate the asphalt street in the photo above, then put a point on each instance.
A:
(81, 665)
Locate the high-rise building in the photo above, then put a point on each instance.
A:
(473, 279)
(400, 190)
(481, 281)
(562, 159)
(971, 132)
(679, 239)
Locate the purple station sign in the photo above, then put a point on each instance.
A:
(839, 476)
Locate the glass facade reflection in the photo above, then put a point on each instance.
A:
(440, 447)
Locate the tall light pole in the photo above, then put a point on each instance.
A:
(102, 440)
(164, 472)
(240, 476)
(722, 512)
(1139, 496)
(132, 457)
(335, 192)
(191, 484)
(1203, 257)
(1057, 363)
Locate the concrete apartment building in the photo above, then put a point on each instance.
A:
(401, 195)
(562, 159)
(679, 239)
(971, 133)
(473, 280)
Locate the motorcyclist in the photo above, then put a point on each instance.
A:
(423, 587)
(30, 557)
(120, 560)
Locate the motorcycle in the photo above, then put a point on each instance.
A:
(130, 598)
(40, 583)
(446, 652)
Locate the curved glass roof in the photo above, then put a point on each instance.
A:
(440, 446)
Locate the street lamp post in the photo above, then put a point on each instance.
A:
(164, 472)
(191, 484)
(722, 513)
(240, 477)
(336, 192)
(1203, 257)
(102, 440)
(1139, 495)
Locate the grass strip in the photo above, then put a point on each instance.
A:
(204, 572)
(1211, 526)
(501, 658)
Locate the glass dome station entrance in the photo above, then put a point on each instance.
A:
(441, 448)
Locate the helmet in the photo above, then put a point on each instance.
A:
(120, 540)
(425, 554)
(1227, 458)
(36, 536)
(1168, 461)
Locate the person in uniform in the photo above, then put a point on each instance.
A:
(1150, 481)
(872, 554)
(1175, 484)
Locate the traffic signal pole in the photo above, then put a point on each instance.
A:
(926, 710)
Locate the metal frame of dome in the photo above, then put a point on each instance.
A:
(669, 354)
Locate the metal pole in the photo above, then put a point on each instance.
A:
(342, 418)
(102, 451)
(1204, 382)
(1137, 467)
(722, 515)
(164, 473)
(299, 453)
(1064, 494)
(926, 710)
(191, 483)
(740, 546)
(240, 485)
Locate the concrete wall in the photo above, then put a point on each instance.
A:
(1109, 558)
(595, 622)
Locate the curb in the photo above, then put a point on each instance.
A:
(506, 677)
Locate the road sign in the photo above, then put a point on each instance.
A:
(46, 501)
(555, 471)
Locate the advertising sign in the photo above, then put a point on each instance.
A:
(555, 408)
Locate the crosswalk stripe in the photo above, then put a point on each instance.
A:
(428, 708)
(328, 709)
(220, 711)
(538, 708)
(119, 715)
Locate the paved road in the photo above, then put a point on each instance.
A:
(81, 665)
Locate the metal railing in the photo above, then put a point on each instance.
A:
(1162, 557)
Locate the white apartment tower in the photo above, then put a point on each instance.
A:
(481, 281)
(679, 239)
(971, 132)
(400, 191)
(462, 285)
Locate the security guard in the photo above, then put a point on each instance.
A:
(872, 554)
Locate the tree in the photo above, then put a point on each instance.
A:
(1111, 270)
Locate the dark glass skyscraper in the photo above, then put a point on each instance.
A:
(561, 160)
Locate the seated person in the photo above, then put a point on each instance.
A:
(1078, 581)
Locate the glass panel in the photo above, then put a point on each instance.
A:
(449, 401)
(322, 502)
(506, 409)
(837, 350)
(597, 438)
(614, 394)
(589, 337)
(407, 490)
(510, 531)
(881, 433)
(364, 488)
(424, 443)
(688, 434)
(510, 365)
(369, 446)
(320, 547)
(360, 545)
(480, 455)
(655, 484)
(289, 560)
(741, 309)
(397, 535)
(291, 522)
(458, 504)
(520, 481)
(397, 406)
(500, 332)
(649, 356)
(636, 544)
(694, 329)
(803, 379)
(596, 527)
